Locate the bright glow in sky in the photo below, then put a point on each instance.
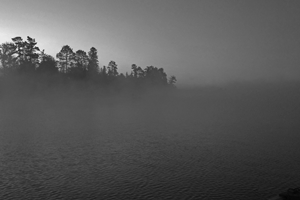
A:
(198, 41)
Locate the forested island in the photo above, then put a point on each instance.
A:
(24, 66)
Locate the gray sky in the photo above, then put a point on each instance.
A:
(198, 41)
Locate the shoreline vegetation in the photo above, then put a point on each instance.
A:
(25, 69)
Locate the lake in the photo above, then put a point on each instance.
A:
(195, 144)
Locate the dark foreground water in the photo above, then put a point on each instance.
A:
(209, 145)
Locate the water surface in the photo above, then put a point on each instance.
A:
(205, 145)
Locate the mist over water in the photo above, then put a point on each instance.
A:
(231, 142)
(90, 106)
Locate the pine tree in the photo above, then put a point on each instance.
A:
(93, 66)
(66, 58)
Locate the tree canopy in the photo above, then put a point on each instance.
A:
(24, 57)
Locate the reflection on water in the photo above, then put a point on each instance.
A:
(196, 149)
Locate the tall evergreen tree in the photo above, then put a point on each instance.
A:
(112, 69)
(18, 41)
(134, 70)
(93, 66)
(28, 53)
(7, 56)
(26, 50)
(81, 59)
(31, 50)
(66, 58)
(80, 66)
(155, 76)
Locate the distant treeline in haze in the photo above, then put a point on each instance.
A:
(23, 60)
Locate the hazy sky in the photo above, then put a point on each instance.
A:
(198, 41)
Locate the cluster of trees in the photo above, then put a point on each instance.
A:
(24, 57)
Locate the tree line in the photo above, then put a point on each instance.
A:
(23, 57)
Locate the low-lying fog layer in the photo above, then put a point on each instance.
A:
(234, 142)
